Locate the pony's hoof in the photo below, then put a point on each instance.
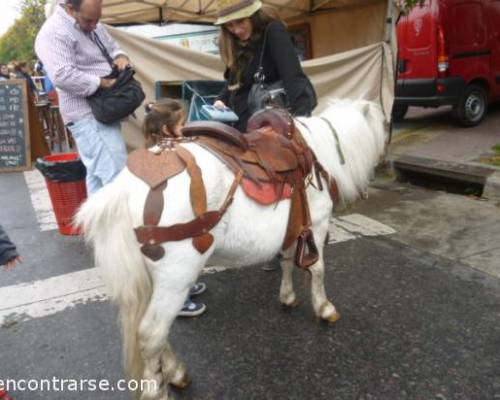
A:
(328, 313)
(293, 304)
(156, 396)
(289, 300)
(181, 381)
(333, 318)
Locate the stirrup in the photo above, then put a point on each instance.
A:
(306, 253)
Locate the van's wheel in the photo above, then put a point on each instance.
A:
(472, 106)
(398, 112)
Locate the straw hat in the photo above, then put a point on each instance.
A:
(229, 10)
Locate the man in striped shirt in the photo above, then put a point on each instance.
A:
(67, 46)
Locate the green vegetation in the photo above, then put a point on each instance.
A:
(17, 43)
(407, 5)
(493, 159)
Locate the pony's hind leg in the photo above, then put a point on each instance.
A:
(172, 280)
(174, 371)
(155, 350)
(287, 293)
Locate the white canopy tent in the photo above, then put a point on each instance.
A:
(352, 43)
(159, 11)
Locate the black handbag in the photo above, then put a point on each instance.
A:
(120, 100)
(262, 94)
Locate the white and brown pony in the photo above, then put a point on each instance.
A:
(150, 294)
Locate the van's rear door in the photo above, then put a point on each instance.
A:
(417, 58)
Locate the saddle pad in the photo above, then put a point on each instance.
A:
(267, 193)
(154, 169)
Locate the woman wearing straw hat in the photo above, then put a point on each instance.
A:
(247, 30)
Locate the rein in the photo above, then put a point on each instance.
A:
(337, 140)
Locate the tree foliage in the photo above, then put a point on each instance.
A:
(407, 5)
(17, 43)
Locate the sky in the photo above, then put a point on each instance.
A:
(8, 14)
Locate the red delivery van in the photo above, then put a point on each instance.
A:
(449, 54)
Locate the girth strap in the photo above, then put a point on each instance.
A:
(196, 227)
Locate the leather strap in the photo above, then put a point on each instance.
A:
(160, 234)
(154, 205)
(333, 189)
(337, 140)
(197, 186)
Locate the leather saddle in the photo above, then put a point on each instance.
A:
(267, 143)
(273, 153)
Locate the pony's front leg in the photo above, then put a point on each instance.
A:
(323, 308)
(287, 294)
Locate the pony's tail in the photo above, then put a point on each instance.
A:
(107, 224)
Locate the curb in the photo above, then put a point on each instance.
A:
(488, 179)
(491, 189)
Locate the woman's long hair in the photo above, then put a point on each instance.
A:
(237, 54)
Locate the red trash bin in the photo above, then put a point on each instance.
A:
(66, 197)
(4, 395)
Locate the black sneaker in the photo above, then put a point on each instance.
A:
(192, 309)
(198, 288)
(274, 264)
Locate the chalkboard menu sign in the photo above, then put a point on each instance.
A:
(14, 127)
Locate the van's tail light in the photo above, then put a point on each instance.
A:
(443, 63)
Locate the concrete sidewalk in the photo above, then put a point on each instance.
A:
(428, 142)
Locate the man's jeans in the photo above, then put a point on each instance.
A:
(102, 150)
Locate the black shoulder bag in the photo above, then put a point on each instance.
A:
(120, 100)
(262, 94)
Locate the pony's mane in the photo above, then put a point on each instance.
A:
(359, 126)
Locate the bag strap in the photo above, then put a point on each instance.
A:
(97, 40)
(259, 76)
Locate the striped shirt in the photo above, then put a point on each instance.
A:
(73, 61)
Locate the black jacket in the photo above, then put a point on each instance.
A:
(7, 248)
(280, 62)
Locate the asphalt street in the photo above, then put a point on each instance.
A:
(415, 325)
